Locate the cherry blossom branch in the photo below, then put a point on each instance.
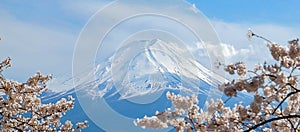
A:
(251, 34)
(292, 125)
(191, 120)
(293, 69)
(287, 96)
(270, 120)
(22, 110)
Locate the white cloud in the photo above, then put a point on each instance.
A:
(229, 52)
(239, 48)
(34, 47)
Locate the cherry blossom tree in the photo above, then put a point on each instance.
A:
(275, 105)
(21, 108)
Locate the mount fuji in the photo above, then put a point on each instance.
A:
(133, 81)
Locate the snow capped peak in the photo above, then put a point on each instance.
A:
(148, 66)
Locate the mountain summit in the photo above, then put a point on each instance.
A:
(149, 66)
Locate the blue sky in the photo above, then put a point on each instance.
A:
(252, 11)
(41, 35)
(55, 26)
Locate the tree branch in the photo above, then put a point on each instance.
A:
(288, 95)
(262, 38)
(273, 119)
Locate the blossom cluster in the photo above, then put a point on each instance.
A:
(239, 68)
(183, 105)
(275, 105)
(21, 108)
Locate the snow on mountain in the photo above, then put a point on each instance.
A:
(141, 69)
(150, 66)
